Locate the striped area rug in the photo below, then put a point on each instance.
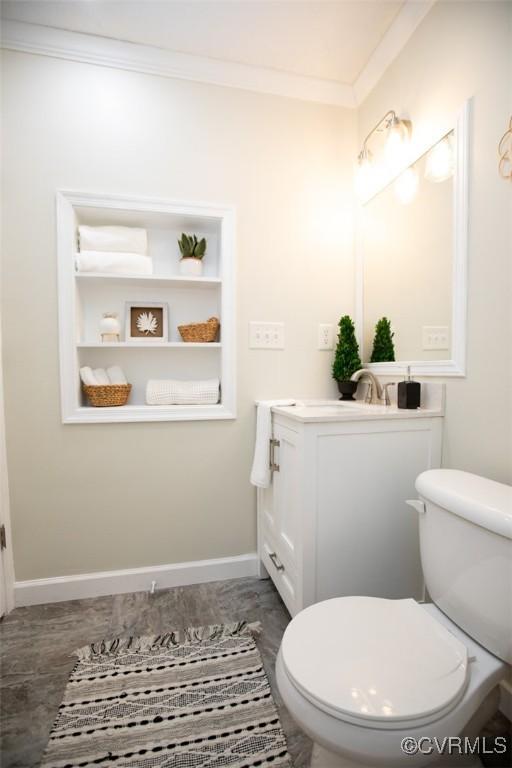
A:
(181, 700)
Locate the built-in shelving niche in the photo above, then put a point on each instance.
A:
(83, 297)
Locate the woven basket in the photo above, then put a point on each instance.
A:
(102, 395)
(200, 332)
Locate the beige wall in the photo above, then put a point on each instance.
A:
(463, 50)
(99, 497)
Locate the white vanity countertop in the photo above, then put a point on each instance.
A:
(357, 410)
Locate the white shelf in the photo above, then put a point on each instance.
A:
(148, 345)
(85, 296)
(140, 412)
(178, 281)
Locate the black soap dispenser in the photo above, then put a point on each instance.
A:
(409, 392)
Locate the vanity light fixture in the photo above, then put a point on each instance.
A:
(365, 172)
(406, 185)
(398, 134)
(505, 153)
(440, 161)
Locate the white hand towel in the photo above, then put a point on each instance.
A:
(87, 376)
(116, 375)
(127, 239)
(114, 263)
(260, 473)
(100, 375)
(173, 392)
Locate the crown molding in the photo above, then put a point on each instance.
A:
(406, 22)
(118, 54)
(147, 59)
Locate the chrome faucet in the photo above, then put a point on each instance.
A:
(375, 393)
(387, 399)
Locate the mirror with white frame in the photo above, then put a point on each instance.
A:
(413, 260)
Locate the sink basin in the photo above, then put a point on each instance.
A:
(327, 409)
(336, 408)
(332, 406)
(331, 410)
(335, 404)
(344, 410)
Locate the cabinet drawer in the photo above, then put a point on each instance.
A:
(284, 579)
(277, 540)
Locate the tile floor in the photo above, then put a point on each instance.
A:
(37, 644)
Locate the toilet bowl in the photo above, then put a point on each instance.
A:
(425, 678)
(362, 675)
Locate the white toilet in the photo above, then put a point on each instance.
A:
(360, 674)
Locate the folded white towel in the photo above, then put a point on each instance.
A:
(114, 263)
(174, 392)
(123, 239)
(260, 473)
(116, 375)
(87, 376)
(100, 375)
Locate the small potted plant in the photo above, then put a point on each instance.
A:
(192, 253)
(346, 359)
(383, 347)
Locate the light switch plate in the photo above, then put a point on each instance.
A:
(266, 335)
(435, 337)
(325, 336)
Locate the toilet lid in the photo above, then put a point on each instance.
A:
(369, 659)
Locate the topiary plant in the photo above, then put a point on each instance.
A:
(346, 358)
(191, 247)
(383, 347)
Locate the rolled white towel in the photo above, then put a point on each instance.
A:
(87, 376)
(174, 392)
(123, 239)
(121, 263)
(116, 375)
(100, 375)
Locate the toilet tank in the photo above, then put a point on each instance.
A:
(466, 553)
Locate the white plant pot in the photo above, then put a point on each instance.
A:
(191, 267)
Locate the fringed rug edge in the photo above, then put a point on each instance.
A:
(116, 645)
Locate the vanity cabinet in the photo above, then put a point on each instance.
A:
(334, 520)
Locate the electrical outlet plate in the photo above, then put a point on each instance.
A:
(435, 337)
(325, 336)
(266, 335)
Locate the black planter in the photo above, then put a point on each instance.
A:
(347, 389)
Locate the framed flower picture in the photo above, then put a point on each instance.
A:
(147, 321)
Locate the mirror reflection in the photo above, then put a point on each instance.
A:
(407, 251)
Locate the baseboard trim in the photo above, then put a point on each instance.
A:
(60, 588)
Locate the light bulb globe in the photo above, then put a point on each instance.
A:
(396, 147)
(440, 162)
(365, 176)
(406, 186)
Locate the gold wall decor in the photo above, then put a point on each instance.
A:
(505, 153)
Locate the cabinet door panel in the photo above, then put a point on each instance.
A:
(285, 491)
(367, 538)
(267, 517)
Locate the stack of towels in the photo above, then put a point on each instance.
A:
(100, 376)
(175, 392)
(115, 250)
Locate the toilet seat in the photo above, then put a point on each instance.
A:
(374, 662)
